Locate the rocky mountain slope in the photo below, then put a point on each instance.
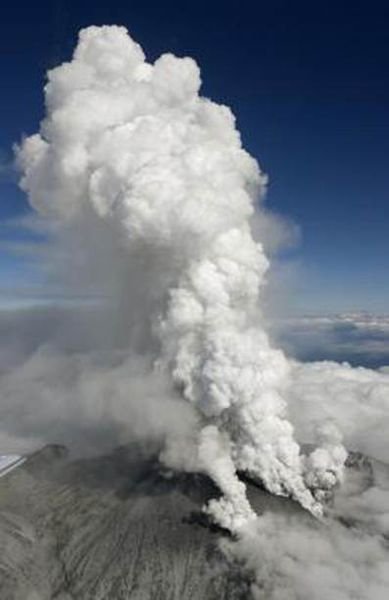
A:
(116, 527)
(108, 528)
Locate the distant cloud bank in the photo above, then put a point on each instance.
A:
(361, 338)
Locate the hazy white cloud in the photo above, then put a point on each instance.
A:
(86, 401)
(291, 557)
(7, 167)
(274, 231)
(355, 399)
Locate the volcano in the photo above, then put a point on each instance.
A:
(154, 213)
(117, 526)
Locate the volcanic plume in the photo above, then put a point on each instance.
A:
(131, 147)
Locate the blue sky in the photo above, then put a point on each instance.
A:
(309, 83)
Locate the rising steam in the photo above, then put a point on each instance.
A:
(133, 146)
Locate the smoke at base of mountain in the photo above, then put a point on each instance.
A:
(292, 558)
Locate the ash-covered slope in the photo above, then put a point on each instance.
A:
(108, 528)
(116, 527)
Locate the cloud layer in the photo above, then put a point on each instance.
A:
(361, 339)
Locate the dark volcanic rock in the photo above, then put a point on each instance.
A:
(109, 528)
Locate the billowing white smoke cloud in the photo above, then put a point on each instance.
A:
(292, 558)
(354, 399)
(150, 183)
(133, 146)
